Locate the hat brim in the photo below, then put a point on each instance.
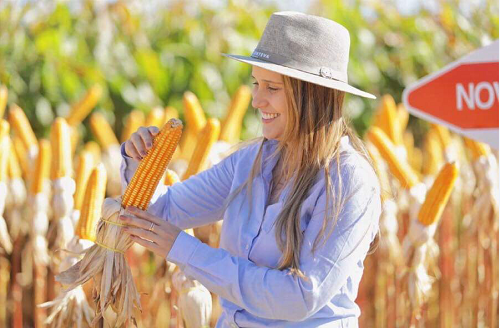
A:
(301, 75)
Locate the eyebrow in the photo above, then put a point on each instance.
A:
(269, 81)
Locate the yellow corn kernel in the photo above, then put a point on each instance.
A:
(4, 149)
(147, 176)
(399, 168)
(95, 192)
(387, 120)
(93, 148)
(102, 130)
(3, 99)
(231, 126)
(14, 170)
(195, 121)
(206, 139)
(21, 126)
(171, 177)
(403, 117)
(81, 109)
(84, 168)
(22, 154)
(156, 117)
(433, 153)
(42, 167)
(438, 195)
(477, 149)
(170, 112)
(443, 135)
(134, 121)
(61, 148)
(75, 138)
(381, 172)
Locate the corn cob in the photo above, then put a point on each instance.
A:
(61, 149)
(403, 117)
(433, 153)
(443, 135)
(231, 127)
(82, 108)
(22, 154)
(103, 131)
(42, 167)
(437, 197)
(477, 149)
(84, 169)
(399, 168)
(3, 99)
(134, 120)
(93, 148)
(171, 177)
(195, 121)
(151, 168)
(14, 170)
(105, 261)
(5, 148)
(91, 209)
(170, 112)
(74, 139)
(387, 120)
(22, 127)
(156, 117)
(206, 139)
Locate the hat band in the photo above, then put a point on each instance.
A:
(326, 72)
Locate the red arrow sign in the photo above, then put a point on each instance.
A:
(463, 96)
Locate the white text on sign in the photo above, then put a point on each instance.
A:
(472, 96)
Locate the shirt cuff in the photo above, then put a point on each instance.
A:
(183, 248)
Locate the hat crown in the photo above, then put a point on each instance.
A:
(309, 43)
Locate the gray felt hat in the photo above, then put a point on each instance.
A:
(305, 47)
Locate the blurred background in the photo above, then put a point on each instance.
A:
(147, 53)
(136, 56)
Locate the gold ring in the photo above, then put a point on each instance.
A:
(152, 226)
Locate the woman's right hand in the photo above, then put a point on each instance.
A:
(139, 143)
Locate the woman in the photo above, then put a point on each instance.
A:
(300, 206)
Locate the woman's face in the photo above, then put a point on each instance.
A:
(268, 96)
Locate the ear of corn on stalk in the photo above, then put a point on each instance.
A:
(134, 120)
(170, 112)
(84, 169)
(14, 170)
(42, 167)
(433, 153)
(156, 117)
(231, 127)
(195, 121)
(206, 139)
(438, 195)
(105, 261)
(403, 117)
(62, 165)
(399, 167)
(95, 192)
(20, 124)
(443, 135)
(171, 177)
(4, 160)
(477, 149)
(93, 148)
(3, 99)
(83, 107)
(102, 130)
(387, 120)
(22, 154)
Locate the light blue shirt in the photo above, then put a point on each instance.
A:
(242, 272)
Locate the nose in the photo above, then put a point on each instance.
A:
(258, 100)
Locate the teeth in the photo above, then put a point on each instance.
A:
(269, 116)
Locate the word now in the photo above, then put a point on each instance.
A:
(472, 98)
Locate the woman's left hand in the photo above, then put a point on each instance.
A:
(150, 231)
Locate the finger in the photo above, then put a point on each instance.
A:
(144, 215)
(153, 130)
(144, 234)
(135, 221)
(149, 245)
(146, 136)
(131, 151)
(138, 144)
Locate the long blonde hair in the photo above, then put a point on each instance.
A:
(314, 127)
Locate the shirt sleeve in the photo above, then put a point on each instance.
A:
(276, 294)
(194, 202)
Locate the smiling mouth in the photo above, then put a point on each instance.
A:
(269, 116)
